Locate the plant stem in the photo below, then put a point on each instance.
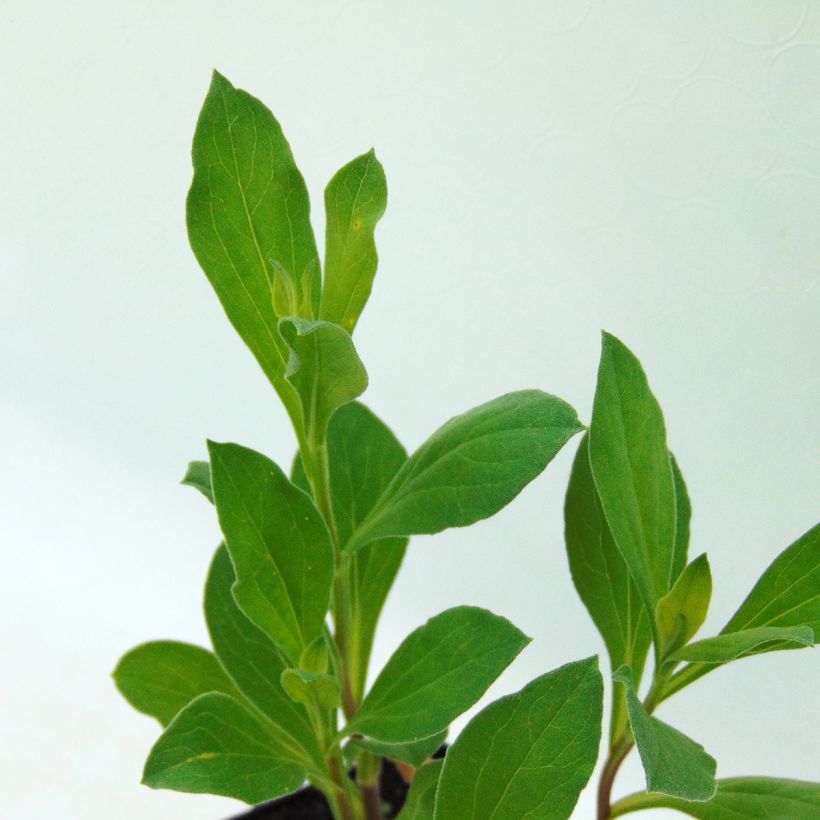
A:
(367, 776)
(342, 798)
(616, 757)
(636, 802)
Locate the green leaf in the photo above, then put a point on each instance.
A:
(251, 660)
(472, 466)
(324, 368)
(421, 798)
(734, 645)
(279, 545)
(682, 611)
(355, 200)
(749, 798)
(312, 688)
(632, 470)
(198, 476)
(786, 594)
(439, 671)
(414, 753)
(673, 763)
(160, 677)
(528, 754)
(363, 456)
(602, 580)
(217, 746)
(316, 658)
(249, 219)
(683, 516)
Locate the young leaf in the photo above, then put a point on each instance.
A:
(632, 471)
(249, 216)
(198, 476)
(602, 579)
(324, 368)
(682, 611)
(683, 516)
(363, 456)
(786, 594)
(355, 200)
(216, 746)
(673, 763)
(750, 798)
(312, 688)
(161, 677)
(279, 545)
(251, 660)
(733, 645)
(528, 754)
(472, 466)
(421, 798)
(414, 753)
(439, 671)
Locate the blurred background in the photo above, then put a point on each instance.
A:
(652, 168)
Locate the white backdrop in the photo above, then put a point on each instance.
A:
(652, 168)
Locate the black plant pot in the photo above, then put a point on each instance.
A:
(310, 804)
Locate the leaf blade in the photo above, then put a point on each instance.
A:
(733, 645)
(681, 612)
(528, 754)
(421, 798)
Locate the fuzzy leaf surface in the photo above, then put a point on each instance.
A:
(439, 671)
(529, 754)
(414, 753)
(733, 645)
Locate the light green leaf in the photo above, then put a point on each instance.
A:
(324, 368)
(632, 471)
(472, 466)
(160, 677)
(249, 219)
(673, 763)
(745, 798)
(439, 671)
(683, 516)
(251, 660)
(312, 688)
(414, 753)
(733, 645)
(198, 476)
(682, 611)
(421, 798)
(355, 200)
(217, 746)
(528, 754)
(279, 545)
(316, 658)
(787, 592)
(602, 580)
(363, 456)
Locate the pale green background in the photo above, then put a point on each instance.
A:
(554, 168)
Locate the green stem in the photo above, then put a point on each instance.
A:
(637, 802)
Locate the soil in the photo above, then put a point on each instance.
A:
(310, 804)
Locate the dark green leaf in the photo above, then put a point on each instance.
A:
(279, 545)
(421, 799)
(249, 657)
(673, 763)
(439, 671)
(199, 477)
(160, 677)
(472, 466)
(733, 645)
(744, 798)
(312, 688)
(682, 611)
(602, 579)
(528, 754)
(632, 471)
(683, 516)
(414, 753)
(249, 221)
(324, 368)
(363, 455)
(355, 200)
(217, 746)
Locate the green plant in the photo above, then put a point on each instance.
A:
(627, 533)
(294, 594)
